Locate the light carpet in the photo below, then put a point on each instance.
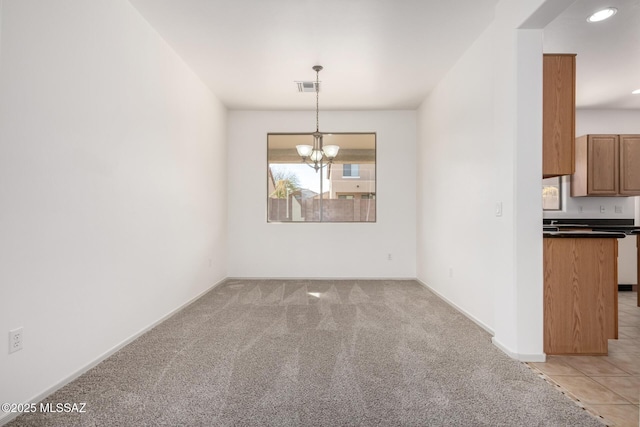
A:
(313, 353)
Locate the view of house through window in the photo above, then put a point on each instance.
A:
(552, 194)
(340, 190)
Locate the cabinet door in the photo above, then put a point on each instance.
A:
(580, 319)
(558, 114)
(602, 165)
(630, 165)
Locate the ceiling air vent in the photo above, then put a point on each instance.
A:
(307, 86)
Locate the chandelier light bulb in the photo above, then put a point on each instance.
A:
(304, 150)
(331, 151)
(316, 156)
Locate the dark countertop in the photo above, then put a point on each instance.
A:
(589, 221)
(625, 226)
(627, 229)
(584, 234)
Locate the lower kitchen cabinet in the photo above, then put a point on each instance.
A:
(580, 295)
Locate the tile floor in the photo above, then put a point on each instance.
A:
(607, 386)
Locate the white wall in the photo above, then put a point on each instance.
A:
(339, 250)
(479, 143)
(112, 186)
(599, 121)
(457, 188)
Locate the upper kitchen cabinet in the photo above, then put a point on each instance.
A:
(606, 165)
(629, 165)
(559, 114)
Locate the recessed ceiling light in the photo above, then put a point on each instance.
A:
(603, 14)
(636, 92)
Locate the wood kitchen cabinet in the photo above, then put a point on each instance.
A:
(580, 295)
(629, 165)
(558, 114)
(606, 165)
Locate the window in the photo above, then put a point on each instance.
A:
(552, 194)
(342, 190)
(351, 171)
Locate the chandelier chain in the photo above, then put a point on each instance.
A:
(317, 96)
(317, 155)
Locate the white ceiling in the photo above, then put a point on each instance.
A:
(377, 54)
(608, 61)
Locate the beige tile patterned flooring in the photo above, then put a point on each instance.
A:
(607, 386)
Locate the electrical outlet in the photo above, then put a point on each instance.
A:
(15, 340)
(602, 209)
(618, 209)
(389, 257)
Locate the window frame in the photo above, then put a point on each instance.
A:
(351, 168)
(375, 183)
(560, 193)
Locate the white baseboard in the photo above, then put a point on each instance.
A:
(458, 308)
(10, 416)
(518, 356)
(321, 278)
(521, 357)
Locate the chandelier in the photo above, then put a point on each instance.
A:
(313, 155)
